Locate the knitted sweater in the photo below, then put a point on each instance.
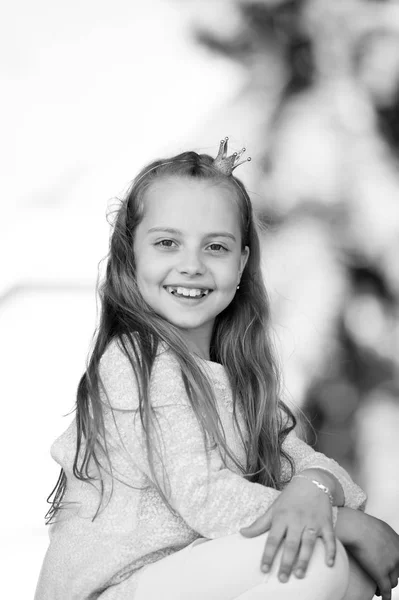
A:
(87, 559)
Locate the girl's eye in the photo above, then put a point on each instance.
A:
(160, 243)
(220, 246)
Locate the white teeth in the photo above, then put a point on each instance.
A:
(187, 291)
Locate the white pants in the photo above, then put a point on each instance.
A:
(228, 568)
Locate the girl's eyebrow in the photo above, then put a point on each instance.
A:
(178, 232)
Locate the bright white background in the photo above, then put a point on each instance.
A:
(90, 91)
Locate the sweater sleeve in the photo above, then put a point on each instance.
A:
(305, 457)
(209, 497)
(212, 499)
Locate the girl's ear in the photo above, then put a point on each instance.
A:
(244, 258)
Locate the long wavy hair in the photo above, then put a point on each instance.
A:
(241, 341)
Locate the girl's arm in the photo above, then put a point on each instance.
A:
(209, 497)
(326, 470)
(374, 544)
(330, 481)
(212, 499)
(301, 513)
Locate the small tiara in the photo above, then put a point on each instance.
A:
(226, 164)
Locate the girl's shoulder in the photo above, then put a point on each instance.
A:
(120, 373)
(120, 352)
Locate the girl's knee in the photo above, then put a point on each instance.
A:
(321, 582)
(332, 582)
(233, 564)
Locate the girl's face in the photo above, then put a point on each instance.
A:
(203, 252)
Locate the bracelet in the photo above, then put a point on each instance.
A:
(334, 515)
(322, 487)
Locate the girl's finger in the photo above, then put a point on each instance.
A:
(330, 543)
(309, 537)
(259, 526)
(273, 542)
(384, 586)
(291, 546)
(394, 579)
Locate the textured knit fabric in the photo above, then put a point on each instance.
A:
(135, 528)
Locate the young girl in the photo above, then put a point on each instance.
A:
(182, 476)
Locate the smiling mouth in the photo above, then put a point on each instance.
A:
(176, 294)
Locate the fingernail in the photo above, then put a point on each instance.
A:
(265, 568)
(330, 562)
(299, 573)
(283, 577)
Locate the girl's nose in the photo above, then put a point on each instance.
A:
(191, 263)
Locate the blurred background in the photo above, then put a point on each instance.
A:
(93, 90)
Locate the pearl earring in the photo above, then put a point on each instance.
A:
(238, 287)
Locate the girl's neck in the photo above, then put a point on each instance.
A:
(199, 348)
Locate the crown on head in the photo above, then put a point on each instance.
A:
(226, 164)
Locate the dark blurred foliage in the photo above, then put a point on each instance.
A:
(333, 399)
(293, 30)
(267, 26)
(388, 122)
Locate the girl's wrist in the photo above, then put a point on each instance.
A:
(318, 484)
(326, 479)
(348, 526)
(319, 488)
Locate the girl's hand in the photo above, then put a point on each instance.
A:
(375, 545)
(300, 515)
